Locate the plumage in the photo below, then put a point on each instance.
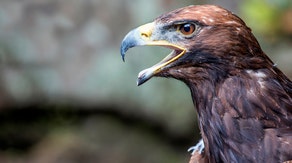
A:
(243, 101)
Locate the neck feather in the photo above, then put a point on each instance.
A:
(237, 108)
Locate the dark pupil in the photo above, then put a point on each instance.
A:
(187, 27)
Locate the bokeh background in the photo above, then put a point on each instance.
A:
(67, 97)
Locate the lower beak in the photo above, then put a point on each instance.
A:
(142, 36)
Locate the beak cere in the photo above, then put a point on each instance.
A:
(142, 36)
(137, 37)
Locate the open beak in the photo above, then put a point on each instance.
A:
(145, 35)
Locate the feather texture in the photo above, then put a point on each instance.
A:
(243, 101)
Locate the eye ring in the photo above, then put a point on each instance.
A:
(187, 29)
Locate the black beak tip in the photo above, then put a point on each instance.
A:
(128, 42)
(143, 78)
(126, 45)
(123, 51)
(123, 55)
(140, 82)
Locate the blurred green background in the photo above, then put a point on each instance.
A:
(67, 97)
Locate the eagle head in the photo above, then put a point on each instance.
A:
(202, 38)
(244, 102)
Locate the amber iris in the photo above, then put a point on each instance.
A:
(187, 29)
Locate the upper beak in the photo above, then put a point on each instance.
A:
(144, 35)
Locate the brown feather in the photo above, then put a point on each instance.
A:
(244, 102)
(198, 158)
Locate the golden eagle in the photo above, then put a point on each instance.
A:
(243, 101)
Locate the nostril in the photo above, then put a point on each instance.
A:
(146, 30)
(145, 34)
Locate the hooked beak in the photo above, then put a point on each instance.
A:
(146, 35)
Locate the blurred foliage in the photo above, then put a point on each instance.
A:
(66, 95)
(68, 134)
(270, 18)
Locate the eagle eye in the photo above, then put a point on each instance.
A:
(187, 29)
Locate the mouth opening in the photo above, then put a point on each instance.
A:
(148, 73)
(170, 56)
